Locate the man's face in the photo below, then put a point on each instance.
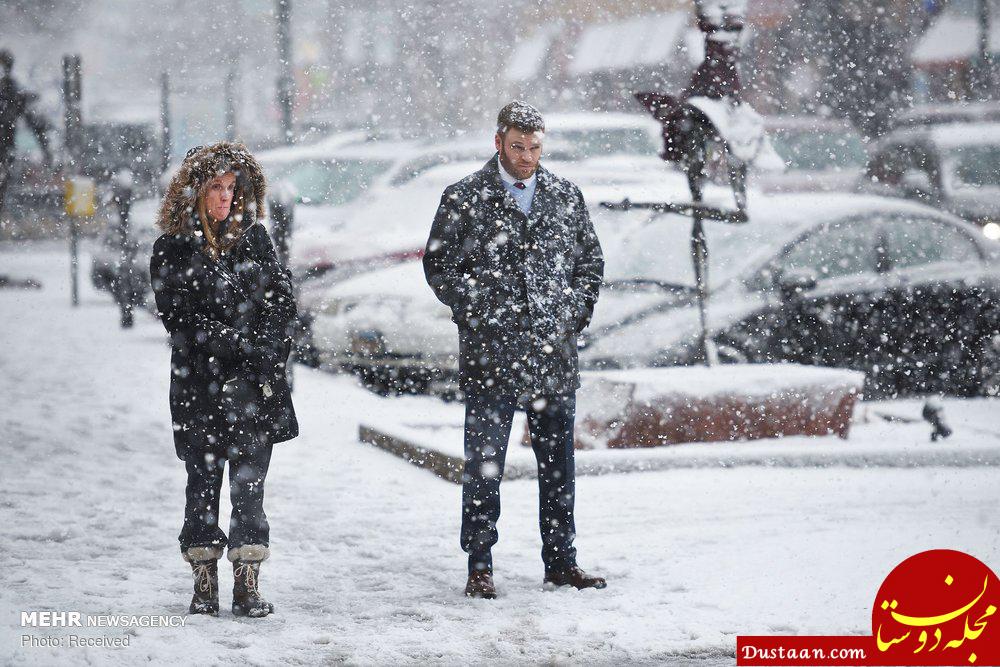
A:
(519, 152)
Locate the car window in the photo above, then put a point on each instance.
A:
(838, 249)
(914, 241)
(413, 168)
(975, 166)
(334, 182)
(642, 247)
(608, 141)
(810, 149)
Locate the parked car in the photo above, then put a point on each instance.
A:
(954, 166)
(942, 114)
(335, 187)
(336, 184)
(596, 134)
(106, 249)
(820, 154)
(905, 293)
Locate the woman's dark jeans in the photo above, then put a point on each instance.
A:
(248, 462)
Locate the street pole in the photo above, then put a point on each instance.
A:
(73, 142)
(282, 209)
(283, 215)
(231, 104)
(165, 138)
(125, 288)
(285, 82)
(984, 66)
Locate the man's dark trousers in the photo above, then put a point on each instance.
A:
(488, 419)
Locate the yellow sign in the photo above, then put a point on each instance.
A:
(79, 192)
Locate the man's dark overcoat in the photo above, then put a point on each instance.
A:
(521, 288)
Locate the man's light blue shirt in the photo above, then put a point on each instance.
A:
(521, 197)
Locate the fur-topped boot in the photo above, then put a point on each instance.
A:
(205, 568)
(246, 577)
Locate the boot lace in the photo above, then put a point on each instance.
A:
(246, 571)
(203, 578)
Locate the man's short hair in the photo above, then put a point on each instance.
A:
(521, 116)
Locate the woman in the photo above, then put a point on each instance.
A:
(227, 303)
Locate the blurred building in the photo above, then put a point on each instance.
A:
(948, 55)
(595, 55)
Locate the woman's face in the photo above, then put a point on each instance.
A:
(219, 196)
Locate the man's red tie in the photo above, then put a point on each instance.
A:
(519, 185)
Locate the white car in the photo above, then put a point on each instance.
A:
(337, 184)
(596, 134)
(344, 311)
(820, 154)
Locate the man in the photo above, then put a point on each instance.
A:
(14, 104)
(512, 252)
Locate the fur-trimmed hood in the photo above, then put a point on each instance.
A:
(202, 165)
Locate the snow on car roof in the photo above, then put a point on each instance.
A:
(322, 148)
(585, 120)
(806, 122)
(963, 134)
(639, 245)
(811, 207)
(947, 135)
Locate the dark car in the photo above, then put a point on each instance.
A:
(906, 294)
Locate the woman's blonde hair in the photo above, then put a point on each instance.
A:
(216, 243)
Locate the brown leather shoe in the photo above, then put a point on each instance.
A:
(574, 576)
(480, 585)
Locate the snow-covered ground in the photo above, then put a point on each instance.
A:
(366, 566)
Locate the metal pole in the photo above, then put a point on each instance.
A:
(283, 214)
(125, 292)
(165, 138)
(695, 172)
(282, 209)
(285, 82)
(699, 256)
(73, 144)
(231, 104)
(984, 67)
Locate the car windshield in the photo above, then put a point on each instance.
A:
(975, 166)
(647, 252)
(818, 150)
(332, 182)
(607, 141)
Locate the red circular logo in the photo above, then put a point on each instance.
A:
(939, 607)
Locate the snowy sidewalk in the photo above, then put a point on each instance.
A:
(429, 434)
(366, 566)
